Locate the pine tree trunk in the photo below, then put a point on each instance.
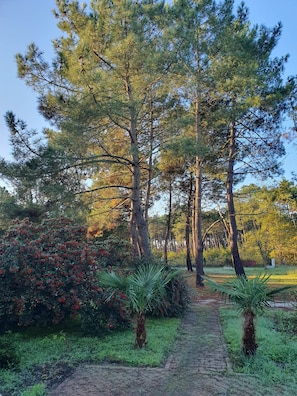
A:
(187, 232)
(137, 214)
(249, 345)
(133, 234)
(140, 339)
(150, 163)
(168, 224)
(236, 260)
(198, 253)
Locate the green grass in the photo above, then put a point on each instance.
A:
(42, 352)
(279, 276)
(275, 362)
(280, 271)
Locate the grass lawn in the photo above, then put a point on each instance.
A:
(49, 354)
(281, 273)
(279, 276)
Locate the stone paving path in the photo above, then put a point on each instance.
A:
(198, 366)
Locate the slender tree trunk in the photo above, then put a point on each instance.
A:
(193, 227)
(236, 260)
(137, 212)
(150, 163)
(187, 231)
(140, 336)
(198, 253)
(133, 234)
(249, 345)
(168, 223)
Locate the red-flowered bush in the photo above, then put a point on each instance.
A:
(46, 272)
(114, 252)
(105, 313)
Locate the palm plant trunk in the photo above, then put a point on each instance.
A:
(249, 345)
(140, 339)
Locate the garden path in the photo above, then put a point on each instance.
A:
(198, 366)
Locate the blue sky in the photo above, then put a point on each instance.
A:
(25, 21)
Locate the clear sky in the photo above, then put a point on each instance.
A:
(25, 21)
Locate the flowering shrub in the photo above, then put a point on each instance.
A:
(46, 272)
(104, 313)
(114, 252)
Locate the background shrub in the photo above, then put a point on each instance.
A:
(217, 257)
(176, 299)
(100, 314)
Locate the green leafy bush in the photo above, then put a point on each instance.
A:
(9, 356)
(217, 257)
(176, 258)
(176, 299)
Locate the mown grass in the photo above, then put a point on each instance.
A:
(279, 276)
(46, 354)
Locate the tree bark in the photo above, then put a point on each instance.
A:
(150, 163)
(233, 241)
(133, 234)
(187, 232)
(198, 253)
(137, 214)
(168, 223)
(140, 336)
(249, 345)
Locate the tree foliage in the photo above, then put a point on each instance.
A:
(146, 98)
(267, 218)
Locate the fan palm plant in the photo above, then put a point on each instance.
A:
(144, 289)
(251, 296)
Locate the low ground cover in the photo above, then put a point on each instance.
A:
(46, 356)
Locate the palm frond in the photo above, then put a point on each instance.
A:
(248, 294)
(144, 288)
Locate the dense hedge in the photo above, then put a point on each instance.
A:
(47, 272)
(176, 299)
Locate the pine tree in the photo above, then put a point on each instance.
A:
(109, 60)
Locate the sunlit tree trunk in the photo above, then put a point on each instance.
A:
(188, 228)
(236, 260)
(168, 223)
(197, 231)
(137, 211)
(150, 162)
